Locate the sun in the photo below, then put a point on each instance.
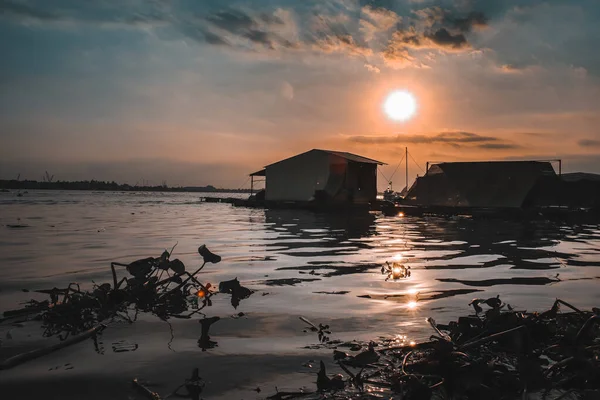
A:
(400, 105)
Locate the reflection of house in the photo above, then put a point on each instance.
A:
(321, 175)
(497, 184)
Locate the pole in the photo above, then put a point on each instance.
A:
(251, 185)
(560, 168)
(560, 177)
(406, 156)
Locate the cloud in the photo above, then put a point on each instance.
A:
(374, 30)
(372, 68)
(22, 10)
(287, 91)
(442, 37)
(390, 33)
(342, 44)
(329, 34)
(467, 23)
(376, 21)
(454, 139)
(212, 38)
(433, 29)
(233, 27)
(498, 146)
(451, 137)
(64, 17)
(589, 143)
(231, 21)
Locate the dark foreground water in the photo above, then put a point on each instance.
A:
(324, 267)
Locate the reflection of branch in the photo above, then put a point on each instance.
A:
(172, 335)
(287, 395)
(204, 342)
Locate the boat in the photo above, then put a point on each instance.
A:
(389, 194)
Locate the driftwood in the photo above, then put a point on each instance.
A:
(31, 355)
(145, 391)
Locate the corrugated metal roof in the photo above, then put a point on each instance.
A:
(479, 184)
(262, 172)
(347, 156)
(354, 157)
(542, 167)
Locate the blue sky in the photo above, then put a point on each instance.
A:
(203, 92)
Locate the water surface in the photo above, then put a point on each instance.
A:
(324, 267)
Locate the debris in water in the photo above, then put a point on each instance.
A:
(145, 391)
(193, 386)
(237, 291)
(322, 330)
(122, 346)
(287, 281)
(190, 389)
(157, 285)
(326, 383)
(340, 292)
(395, 271)
(207, 255)
(501, 353)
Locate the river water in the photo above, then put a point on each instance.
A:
(327, 268)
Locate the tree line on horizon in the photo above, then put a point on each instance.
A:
(105, 185)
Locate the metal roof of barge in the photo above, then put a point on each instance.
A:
(479, 183)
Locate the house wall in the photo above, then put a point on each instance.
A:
(361, 179)
(297, 178)
(435, 190)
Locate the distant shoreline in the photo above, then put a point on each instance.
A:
(109, 187)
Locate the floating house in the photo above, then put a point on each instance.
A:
(489, 184)
(321, 177)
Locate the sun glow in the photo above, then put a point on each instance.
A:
(411, 305)
(400, 105)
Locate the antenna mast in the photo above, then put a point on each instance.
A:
(406, 156)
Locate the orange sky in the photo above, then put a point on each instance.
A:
(146, 91)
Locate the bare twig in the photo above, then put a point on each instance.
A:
(489, 338)
(569, 305)
(145, 391)
(431, 322)
(191, 276)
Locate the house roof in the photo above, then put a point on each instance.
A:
(346, 155)
(262, 172)
(353, 157)
(342, 154)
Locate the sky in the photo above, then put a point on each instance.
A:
(204, 92)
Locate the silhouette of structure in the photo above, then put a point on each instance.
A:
(489, 184)
(322, 176)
